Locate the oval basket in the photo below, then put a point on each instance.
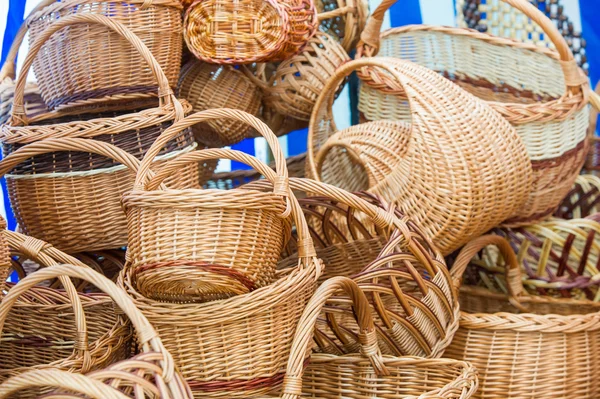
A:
(104, 70)
(415, 166)
(541, 92)
(525, 346)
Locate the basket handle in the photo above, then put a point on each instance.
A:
(305, 244)
(326, 99)
(55, 378)
(165, 94)
(68, 144)
(146, 334)
(9, 68)
(512, 269)
(280, 165)
(292, 382)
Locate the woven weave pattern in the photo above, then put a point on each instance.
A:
(343, 19)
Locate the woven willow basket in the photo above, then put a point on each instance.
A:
(297, 82)
(236, 347)
(525, 346)
(583, 200)
(62, 329)
(151, 374)
(366, 373)
(343, 19)
(208, 86)
(452, 204)
(180, 258)
(405, 277)
(241, 32)
(541, 92)
(104, 70)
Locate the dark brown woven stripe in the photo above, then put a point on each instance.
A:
(100, 93)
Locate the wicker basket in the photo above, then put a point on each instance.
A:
(366, 373)
(104, 70)
(541, 92)
(236, 347)
(297, 82)
(583, 200)
(226, 32)
(151, 374)
(208, 86)
(343, 19)
(525, 346)
(558, 258)
(237, 254)
(452, 204)
(57, 328)
(405, 277)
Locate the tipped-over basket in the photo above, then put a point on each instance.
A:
(541, 92)
(150, 374)
(104, 70)
(203, 244)
(366, 373)
(457, 169)
(526, 347)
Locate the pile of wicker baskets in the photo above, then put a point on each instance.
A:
(444, 247)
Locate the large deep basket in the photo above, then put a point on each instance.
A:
(150, 374)
(541, 92)
(416, 165)
(240, 32)
(525, 346)
(62, 329)
(240, 344)
(366, 373)
(206, 243)
(104, 71)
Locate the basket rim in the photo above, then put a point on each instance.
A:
(91, 128)
(61, 5)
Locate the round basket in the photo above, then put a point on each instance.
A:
(206, 243)
(360, 237)
(208, 86)
(343, 19)
(226, 32)
(366, 373)
(452, 204)
(151, 374)
(54, 328)
(297, 82)
(104, 70)
(240, 344)
(583, 200)
(541, 92)
(525, 346)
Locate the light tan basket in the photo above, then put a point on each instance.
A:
(293, 89)
(343, 19)
(206, 243)
(525, 346)
(366, 373)
(541, 92)
(242, 32)
(151, 374)
(463, 170)
(103, 69)
(236, 347)
(62, 329)
(405, 277)
(208, 86)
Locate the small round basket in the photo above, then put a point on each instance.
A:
(343, 19)
(103, 69)
(208, 86)
(241, 32)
